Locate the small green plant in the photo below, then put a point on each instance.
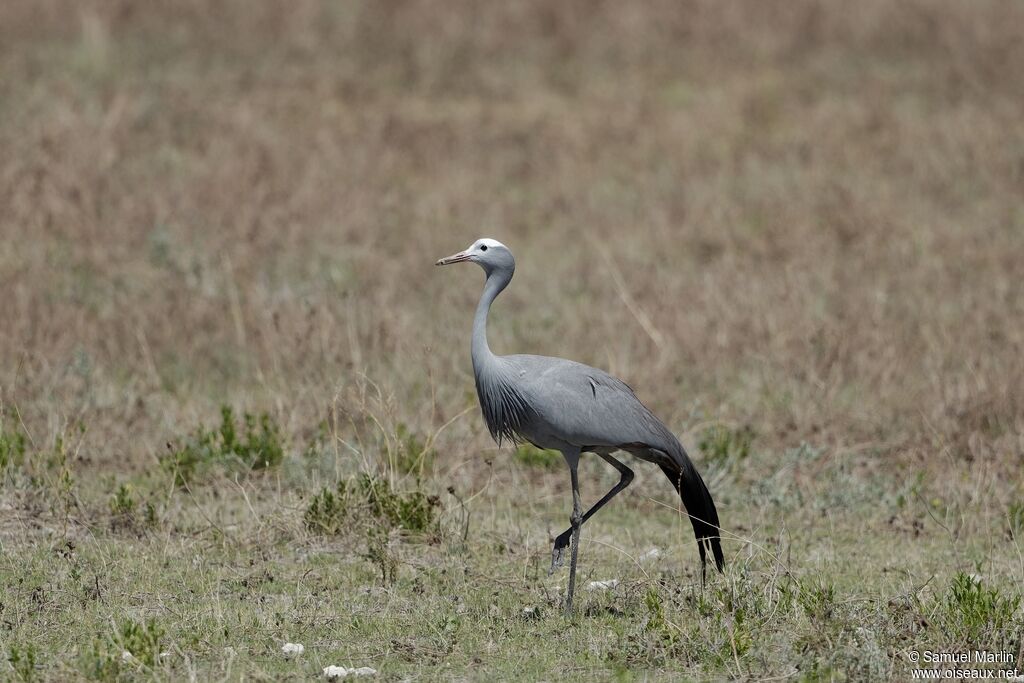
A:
(665, 635)
(656, 615)
(817, 598)
(741, 637)
(725, 447)
(260, 445)
(376, 501)
(149, 515)
(142, 640)
(133, 644)
(413, 510)
(327, 511)
(122, 503)
(127, 511)
(23, 661)
(651, 643)
(182, 463)
(977, 614)
(531, 456)
(254, 443)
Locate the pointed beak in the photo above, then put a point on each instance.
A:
(454, 258)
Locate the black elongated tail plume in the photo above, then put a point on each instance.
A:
(701, 509)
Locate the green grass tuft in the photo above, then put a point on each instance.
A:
(122, 503)
(23, 661)
(133, 648)
(980, 616)
(327, 511)
(368, 499)
(251, 444)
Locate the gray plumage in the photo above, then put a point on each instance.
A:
(567, 406)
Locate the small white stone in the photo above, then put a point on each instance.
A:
(651, 554)
(602, 585)
(293, 649)
(333, 672)
(126, 656)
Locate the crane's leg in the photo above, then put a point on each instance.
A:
(562, 541)
(572, 459)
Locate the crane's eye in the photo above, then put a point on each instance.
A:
(483, 247)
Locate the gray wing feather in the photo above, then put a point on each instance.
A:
(584, 405)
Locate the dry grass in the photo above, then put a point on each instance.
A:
(806, 218)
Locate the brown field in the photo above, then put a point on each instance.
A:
(805, 219)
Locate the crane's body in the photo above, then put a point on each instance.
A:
(560, 403)
(567, 406)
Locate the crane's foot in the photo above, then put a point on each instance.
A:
(558, 551)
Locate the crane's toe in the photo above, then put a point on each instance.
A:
(557, 556)
(558, 551)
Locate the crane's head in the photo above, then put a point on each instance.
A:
(490, 254)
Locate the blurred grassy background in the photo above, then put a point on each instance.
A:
(818, 208)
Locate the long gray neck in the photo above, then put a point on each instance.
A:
(497, 280)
